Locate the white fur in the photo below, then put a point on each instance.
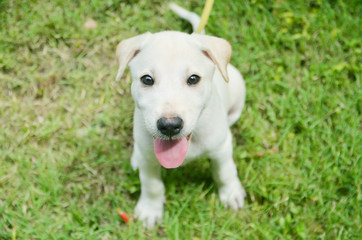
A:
(207, 109)
(193, 18)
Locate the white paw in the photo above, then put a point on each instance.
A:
(149, 212)
(232, 195)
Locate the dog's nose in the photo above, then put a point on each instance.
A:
(170, 126)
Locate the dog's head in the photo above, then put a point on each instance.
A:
(172, 76)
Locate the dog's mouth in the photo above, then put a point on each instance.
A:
(171, 153)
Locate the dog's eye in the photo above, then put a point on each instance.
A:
(147, 80)
(193, 79)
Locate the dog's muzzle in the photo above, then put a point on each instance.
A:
(170, 152)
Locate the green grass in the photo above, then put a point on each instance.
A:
(66, 125)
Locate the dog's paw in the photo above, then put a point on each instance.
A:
(232, 195)
(149, 212)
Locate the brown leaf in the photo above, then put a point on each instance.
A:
(90, 23)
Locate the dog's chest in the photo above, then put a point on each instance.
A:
(196, 149)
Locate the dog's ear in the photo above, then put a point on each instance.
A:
(127, 50)
(217, 49)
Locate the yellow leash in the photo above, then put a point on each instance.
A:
(205, 15)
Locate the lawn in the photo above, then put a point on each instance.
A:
(66, 124)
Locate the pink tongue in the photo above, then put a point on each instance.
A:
(171, 153)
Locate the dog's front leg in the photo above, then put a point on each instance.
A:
(149, 208)
(225, 175)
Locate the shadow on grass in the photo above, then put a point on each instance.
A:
(193, 175)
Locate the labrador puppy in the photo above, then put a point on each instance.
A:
(186, 96)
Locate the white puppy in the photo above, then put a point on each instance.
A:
(186, 97)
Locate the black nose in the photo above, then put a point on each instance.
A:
(170, 126)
